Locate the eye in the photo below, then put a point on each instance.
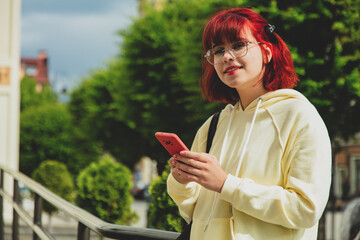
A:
(238, 46)
(218, 50)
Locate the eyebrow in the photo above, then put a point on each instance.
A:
(215, 45)
(238, 40)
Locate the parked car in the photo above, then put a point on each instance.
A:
(140, 191)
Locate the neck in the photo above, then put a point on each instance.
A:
(249, 95)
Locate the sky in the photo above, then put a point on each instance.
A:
(78, 35)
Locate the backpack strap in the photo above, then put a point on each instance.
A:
(185, 234)
(212, 130)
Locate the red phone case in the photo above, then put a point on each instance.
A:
(171, 142)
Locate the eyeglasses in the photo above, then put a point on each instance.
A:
(236, 49)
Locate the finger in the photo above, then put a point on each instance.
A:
(178, 176)
(187, 176)
(183, 162)
(194, 155)
(190, 169)
(172, 162)
(186, 171)
(181, 159)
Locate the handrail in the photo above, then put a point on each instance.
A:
(86, 220)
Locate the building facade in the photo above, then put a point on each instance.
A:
(347, 169)
(10, 15)
(36, 68)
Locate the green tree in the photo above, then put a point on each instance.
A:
(29, 96)
(324, 37)
(55, 176)
(153, 83)
(151, 96)
(52, 134)
(104, 190)
(163, 212)
(151, 86)
(45, 133)
(96, 125)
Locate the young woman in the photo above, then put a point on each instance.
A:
(267, 175)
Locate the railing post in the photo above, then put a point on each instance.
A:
(16, 198)
(2, 232)
(83, 232)
(37, 213)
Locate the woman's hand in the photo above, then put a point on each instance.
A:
(178, 174)
(202, 168)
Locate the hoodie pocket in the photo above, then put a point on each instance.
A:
(243, 226)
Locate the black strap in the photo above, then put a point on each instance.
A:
(212, 130)
(185, 234)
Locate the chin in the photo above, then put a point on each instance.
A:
(234, 84)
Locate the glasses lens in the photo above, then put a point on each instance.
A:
(210, 57)
(216, 54)
(239, 49)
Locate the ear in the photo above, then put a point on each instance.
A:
(268, 54)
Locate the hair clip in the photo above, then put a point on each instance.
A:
(269, 29)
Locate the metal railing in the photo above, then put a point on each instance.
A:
(86, 221)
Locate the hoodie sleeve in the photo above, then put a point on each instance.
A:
(300, 201)
(186, 195)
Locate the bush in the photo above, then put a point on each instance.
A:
(163, 212)
(104, 190)
(55, 176)
(45, 133)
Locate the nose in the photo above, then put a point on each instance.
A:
(228, 55)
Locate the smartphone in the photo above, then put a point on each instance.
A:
(171, 142)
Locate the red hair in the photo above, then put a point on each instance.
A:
(230, 24)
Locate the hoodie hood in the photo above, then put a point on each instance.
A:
(271, 98)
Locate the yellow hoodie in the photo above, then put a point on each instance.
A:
(279, 172)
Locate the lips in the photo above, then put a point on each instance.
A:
(232, 69)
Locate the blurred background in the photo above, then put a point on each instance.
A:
(99, 78)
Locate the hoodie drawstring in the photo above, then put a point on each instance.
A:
(241, 155)
(248, 137)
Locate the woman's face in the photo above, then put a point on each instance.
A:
(242, 73)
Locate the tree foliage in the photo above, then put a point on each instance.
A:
(45, 134)
(163, 212)
(49, 131)
(30, 97)
(152, 85)
(96, 125)
(324, 37)
(104, 190)
(55, 176)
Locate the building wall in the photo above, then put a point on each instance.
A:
(38, 68)
(347, 172)
(9, 86)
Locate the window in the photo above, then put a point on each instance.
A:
(342, 182)
(355, 175)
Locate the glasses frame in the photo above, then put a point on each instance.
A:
(208, 53)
